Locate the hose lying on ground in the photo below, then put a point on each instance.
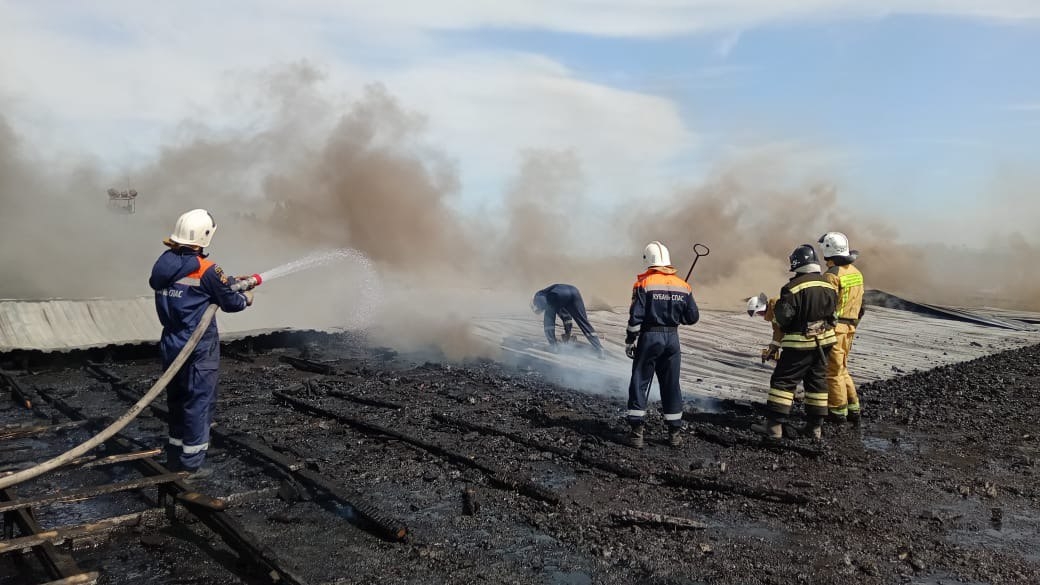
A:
(115, 427)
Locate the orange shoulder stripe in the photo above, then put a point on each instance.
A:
(204, 265)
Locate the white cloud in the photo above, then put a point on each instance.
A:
(115, 76)
(119, 97)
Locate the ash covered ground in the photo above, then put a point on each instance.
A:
(937, 486)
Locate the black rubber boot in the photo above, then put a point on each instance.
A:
(635, 437)
(814, 428)
(769, 428)
(674, 437)
(836, 419)
(855, 418)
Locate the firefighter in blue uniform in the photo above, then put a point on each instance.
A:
(185, 283)
(564, 300)
(661, 301)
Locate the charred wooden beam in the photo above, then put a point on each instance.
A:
(18, 393)
(90, 461)
(235, 536)
(95, 531)
(307, 365)
(365, 400)
(56, 563)
(378, 522)
(629, 517)
(495, 477)
(383, 525)
(693, 482)
(728, 439)
(121, 458)
(91, 530)
(576, 455)
(239, 357)
(81, 579)
(515, 437)
(36, 430)
(87, 493)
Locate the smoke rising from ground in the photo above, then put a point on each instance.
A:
(317, 173)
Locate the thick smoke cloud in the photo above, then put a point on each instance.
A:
(314, 172)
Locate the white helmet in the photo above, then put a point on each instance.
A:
(834, 244)
(655, 254)
(757, 305)
(194, 228)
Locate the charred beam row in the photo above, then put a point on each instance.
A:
(219, 522)
(86, 461)
(91, 530)
(56, 563)
(727, 439)
(576, 455)
(33, 431)
(18, 393)
(94, 531)
(381, 524)
(693, 482)
(496, 477)
(515, 437)
(91, 492)
(307, 365)
(365, 400)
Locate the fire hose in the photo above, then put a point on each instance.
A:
(136, 409)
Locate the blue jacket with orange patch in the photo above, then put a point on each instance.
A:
(660, 299)
(185, 283)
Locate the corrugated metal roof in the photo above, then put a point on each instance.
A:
(64, 325)
(67, 324)
(721, 353)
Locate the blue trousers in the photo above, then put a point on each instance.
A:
(657, 352)
(192, 399)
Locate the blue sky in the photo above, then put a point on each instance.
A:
(905, 104)
(925, 106)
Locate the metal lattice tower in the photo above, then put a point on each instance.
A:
(122, 201)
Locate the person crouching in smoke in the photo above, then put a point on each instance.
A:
(565, 301)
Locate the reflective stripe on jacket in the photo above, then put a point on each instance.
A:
(806, 302)
(660, 299)
(849, 282)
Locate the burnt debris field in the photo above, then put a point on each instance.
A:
(337, 462)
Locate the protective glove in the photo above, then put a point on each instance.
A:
(771, 353)
(630, 350)
(249, 297)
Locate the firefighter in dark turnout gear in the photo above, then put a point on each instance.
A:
(661, 301)
(185, 283)
(843, 402)
(804, 314)
(565, 301)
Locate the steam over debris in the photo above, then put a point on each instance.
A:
(318, 174)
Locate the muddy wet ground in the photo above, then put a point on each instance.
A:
(938, 486)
